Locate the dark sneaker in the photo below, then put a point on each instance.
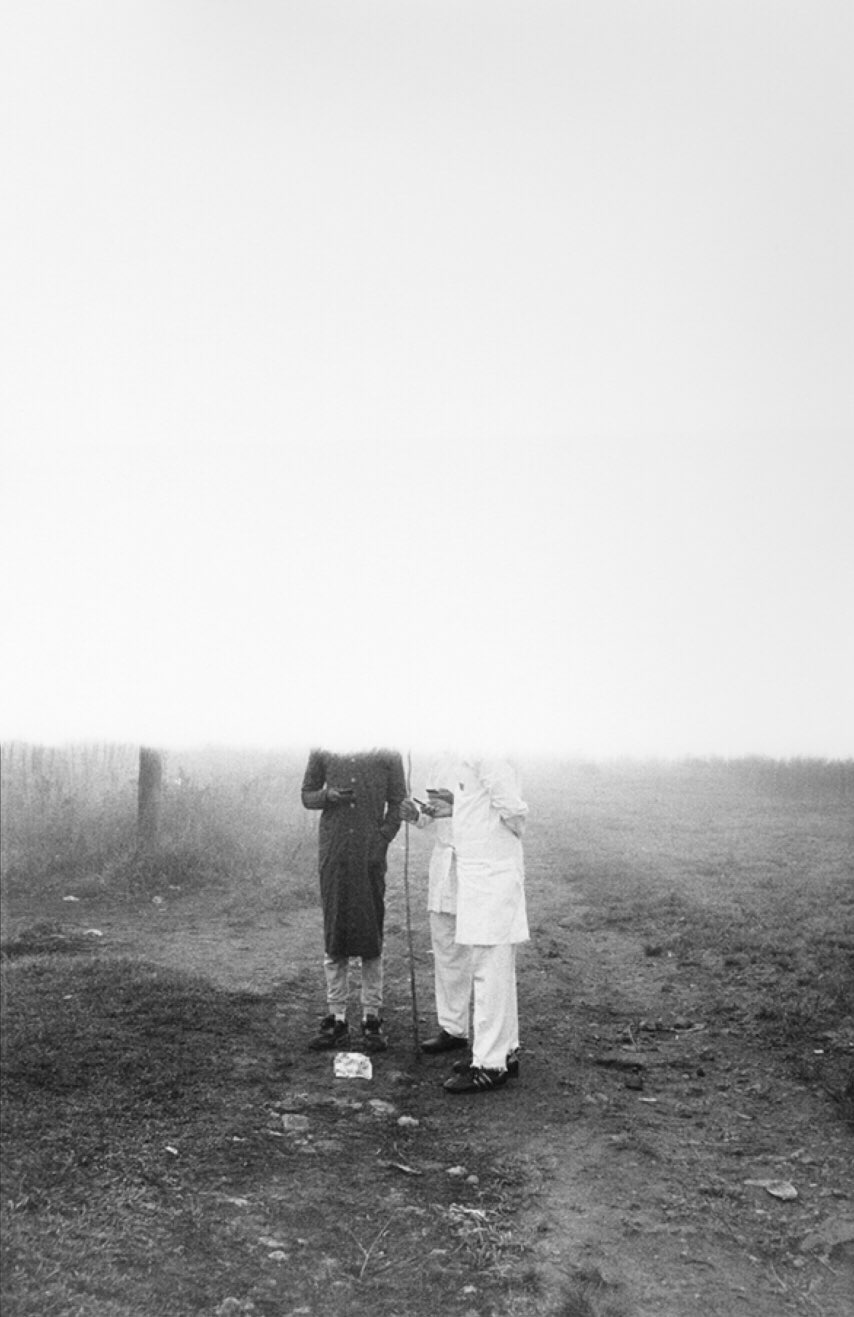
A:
(459, 1067)
(476, 1080)
(443, 1042)
(372, 1034)
(333, 1034)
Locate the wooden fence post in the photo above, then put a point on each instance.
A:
(149, 797)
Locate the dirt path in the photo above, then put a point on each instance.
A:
(237, 953)
(640, 1120)
(649, 1164)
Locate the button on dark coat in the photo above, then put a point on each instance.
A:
(353, 840)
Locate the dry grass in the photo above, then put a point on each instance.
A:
(69, 823)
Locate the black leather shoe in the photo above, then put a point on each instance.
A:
(332, 1035)
(443, 1042)
(474, 1079)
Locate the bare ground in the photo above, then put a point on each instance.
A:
(652, 1125)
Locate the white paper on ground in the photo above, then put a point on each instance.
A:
(352, 1065)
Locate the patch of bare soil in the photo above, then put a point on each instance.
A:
(688, 1169)
(673, 1163)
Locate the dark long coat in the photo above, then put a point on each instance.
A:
(353, 841)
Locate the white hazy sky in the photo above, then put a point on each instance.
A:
(420, 371)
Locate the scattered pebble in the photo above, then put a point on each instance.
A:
(382, 1108)
(295, 1124)
(232, 1307)
(777, 1188)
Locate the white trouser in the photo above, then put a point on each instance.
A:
(337, 971)
(496, 1012)
(452, 975)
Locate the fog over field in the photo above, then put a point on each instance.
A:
(429, 374)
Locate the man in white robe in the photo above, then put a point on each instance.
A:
(488, 815)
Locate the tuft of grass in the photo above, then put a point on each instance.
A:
(487, 1238)
(45, 937)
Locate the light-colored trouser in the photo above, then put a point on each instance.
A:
(337, 971)
(451, 974)
(496, 1011)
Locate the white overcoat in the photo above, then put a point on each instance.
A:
(489, 819)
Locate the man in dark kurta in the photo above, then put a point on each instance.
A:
(360, 796)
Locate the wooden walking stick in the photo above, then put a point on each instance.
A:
(409, 916)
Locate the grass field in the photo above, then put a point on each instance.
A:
(749, 863)
(168, 1148)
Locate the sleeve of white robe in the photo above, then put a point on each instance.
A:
(502, 784)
